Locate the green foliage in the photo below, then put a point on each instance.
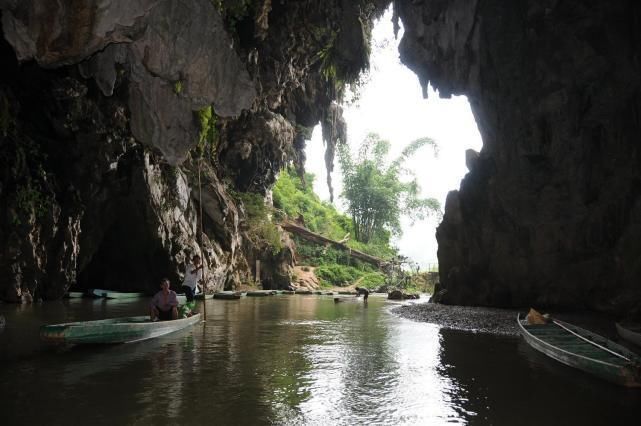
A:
(372, 280)
(30, 201)
(259, 226)
(344, 275)
(178, 87)
(296, 198)
(209, 135)
(28, 194)
(375, 194)
(423, 282)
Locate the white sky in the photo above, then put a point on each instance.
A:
(391, 104)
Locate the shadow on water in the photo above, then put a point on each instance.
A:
(503, 381)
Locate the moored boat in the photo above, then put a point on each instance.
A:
(630, 332)
(584, 350)
(201, 296)
(113, 330)
(227, 295)
(259, 293)
(109, 294)
(74, 295)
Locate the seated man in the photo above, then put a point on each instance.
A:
(164, 304)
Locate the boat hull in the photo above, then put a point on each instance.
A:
(115, 294)
(227, 295)
(114, 330)
(629, 334)
(598, 363)
(74, 295)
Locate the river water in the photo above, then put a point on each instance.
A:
(292, 360)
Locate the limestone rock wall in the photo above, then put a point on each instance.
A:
(550, 212)
(101, 132)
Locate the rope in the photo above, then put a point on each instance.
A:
(590, 341)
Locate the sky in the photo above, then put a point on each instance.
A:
(391, 104)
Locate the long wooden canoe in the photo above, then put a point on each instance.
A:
(228, 295)
(109, 294)
(201, 296)
(259, 293)
(584, 350)
(113, 330)
(630, 332)
(74, 294)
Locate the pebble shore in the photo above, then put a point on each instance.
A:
(466, 318)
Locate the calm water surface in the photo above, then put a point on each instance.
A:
(292, 360)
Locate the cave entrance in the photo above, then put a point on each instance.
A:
(129, 256)
(389, 102)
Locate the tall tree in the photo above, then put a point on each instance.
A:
(378, 193)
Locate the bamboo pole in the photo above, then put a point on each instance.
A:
(200, 238)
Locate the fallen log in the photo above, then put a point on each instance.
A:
(319, 239)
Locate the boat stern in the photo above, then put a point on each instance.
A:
(53, 333)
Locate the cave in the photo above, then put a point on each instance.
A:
(549, 214)
(129, 257)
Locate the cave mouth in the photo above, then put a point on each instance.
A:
(129, 257)
(389, 101)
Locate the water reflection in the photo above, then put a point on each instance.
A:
(291, 360)
(502, 381)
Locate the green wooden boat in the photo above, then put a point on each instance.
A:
(227, 295)
(630, 332)
(584, 350)
(201, 296)
(109, 294)
(259, 293)
(74, 294)
(113, 330)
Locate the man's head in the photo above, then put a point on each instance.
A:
(164, 284)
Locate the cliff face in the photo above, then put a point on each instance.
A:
(106, 107)
(550, 212)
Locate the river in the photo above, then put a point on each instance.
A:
(292, 360)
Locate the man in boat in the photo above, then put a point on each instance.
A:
(193, 275)
(164, 304)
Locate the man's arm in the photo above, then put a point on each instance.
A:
(197, 268)
(173, 300)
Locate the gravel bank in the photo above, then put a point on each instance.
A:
(466, 318)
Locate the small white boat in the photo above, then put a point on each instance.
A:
(113, 330)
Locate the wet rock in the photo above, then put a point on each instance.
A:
(97, 103)
(304, 278)
(400, 295)
(178, 58)
(550, 210)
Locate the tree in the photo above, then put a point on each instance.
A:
(376, 193)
